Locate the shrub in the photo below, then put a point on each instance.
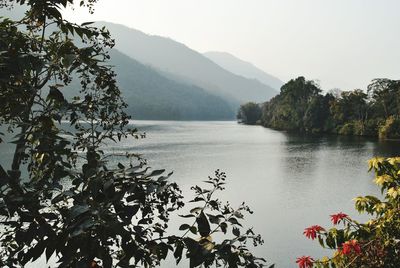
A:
(346, 129)
(358, 128)
(390, 129)
(371, 244)
(371, 127)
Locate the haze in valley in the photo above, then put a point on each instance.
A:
(343, 44)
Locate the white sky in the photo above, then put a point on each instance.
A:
(342, 43)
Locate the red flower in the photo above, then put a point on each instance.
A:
(311, 232)
(336, 218)
(351, 246)
(305, 262)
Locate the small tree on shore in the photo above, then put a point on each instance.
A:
(249, 113)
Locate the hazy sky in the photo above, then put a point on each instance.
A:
(342, 43)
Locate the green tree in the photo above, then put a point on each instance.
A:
(249, 113)
(352, 105)
(350, 112)
(301, 107)
(288, 109)
(317, 114)
(386, 94)
(61, 196)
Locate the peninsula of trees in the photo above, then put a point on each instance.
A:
(302, 107)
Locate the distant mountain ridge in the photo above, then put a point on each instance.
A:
(186, 65)
(240, 67)
(162, 79)
(152, 96)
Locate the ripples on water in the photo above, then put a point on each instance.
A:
(290, 181)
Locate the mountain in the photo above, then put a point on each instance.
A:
(150, 95)
(186, 65)
(243, 68)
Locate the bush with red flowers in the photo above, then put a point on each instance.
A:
(305, 262)
(313, 231)
(337, 218)
(375, 243)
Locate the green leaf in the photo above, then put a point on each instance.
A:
(193, 229)
(55, 94)
(87, 23)
(49, 250)
(235, 231)
(187, 216)
(203, 225)
(121, 166)
(224, 227)
(155, 173)
(214, 219)
(321, 241)
(195, 252)
(184, 227)
(178, 252)
(78, 210)
(162, 251)
(34, 252)
(234, 221)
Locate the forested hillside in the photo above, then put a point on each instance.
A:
(152, 96)
(188, 66)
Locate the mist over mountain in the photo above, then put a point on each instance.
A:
(162, 79)
(153, 96)
(240, 67)
(188, 66)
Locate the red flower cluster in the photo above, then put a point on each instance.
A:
(351, 246)
(311, 232)
(305, 262)
(336, 218)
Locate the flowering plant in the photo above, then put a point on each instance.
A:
(375, 243)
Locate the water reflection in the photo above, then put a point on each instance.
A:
(291, 181)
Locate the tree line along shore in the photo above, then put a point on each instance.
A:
(302, 107)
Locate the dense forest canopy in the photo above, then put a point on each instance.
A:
(302, 107)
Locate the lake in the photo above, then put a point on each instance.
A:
(290, 181)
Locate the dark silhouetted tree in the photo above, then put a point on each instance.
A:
(61, 196)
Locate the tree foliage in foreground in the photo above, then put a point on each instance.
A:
(374, 243)
(61, 197)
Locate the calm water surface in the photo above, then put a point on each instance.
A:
(290, 181)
